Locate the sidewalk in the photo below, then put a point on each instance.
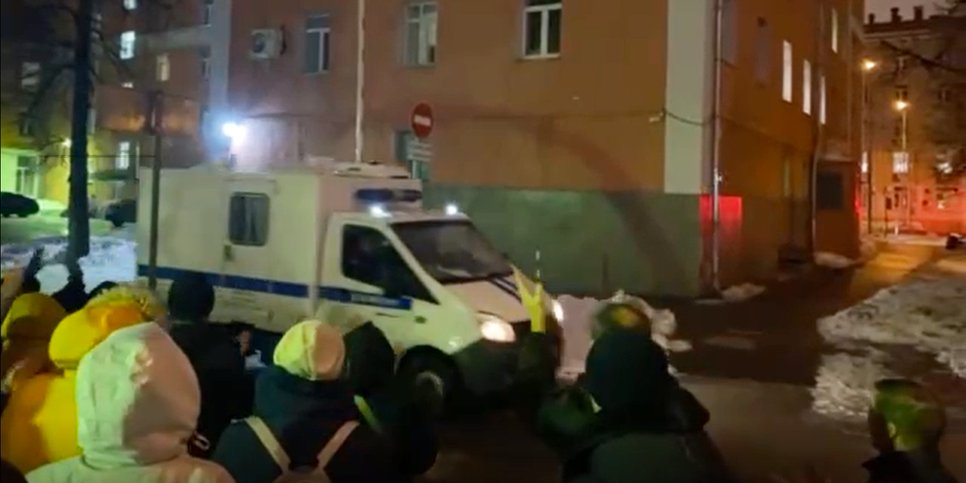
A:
(773, 337)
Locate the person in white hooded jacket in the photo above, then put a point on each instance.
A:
(137, 406)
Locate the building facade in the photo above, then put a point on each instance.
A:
(584, 136)
(916, 123)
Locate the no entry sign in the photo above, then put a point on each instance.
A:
(422, 120)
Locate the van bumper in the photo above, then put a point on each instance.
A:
(491, 367)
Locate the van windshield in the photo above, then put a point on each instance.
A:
(452, 251)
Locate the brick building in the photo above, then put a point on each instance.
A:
(916, 157)
(586, 132)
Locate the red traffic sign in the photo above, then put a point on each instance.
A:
(422, 120)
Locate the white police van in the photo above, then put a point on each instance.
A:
(347, 243)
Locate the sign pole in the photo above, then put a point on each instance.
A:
(157, 101)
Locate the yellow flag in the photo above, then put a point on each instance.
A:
(533, 302)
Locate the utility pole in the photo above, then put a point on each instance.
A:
(157, 128)
(78, 234)
(360, 77)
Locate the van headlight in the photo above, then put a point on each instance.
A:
(495, 329)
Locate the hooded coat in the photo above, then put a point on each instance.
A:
(384, 406)
(137, 405)
(303, 401)
(214, 356)
(39, 425)
(629, 421)
(26, 333)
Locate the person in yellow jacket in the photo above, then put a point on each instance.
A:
(26, 332)
(39, 425)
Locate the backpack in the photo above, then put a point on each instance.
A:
(304, 474)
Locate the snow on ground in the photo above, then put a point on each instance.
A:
(579, 321)
(110, 259)
(926, 313)
(833, 260)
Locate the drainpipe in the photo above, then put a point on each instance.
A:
(360, 77)
(716, 152)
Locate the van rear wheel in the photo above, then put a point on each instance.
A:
(431, 378)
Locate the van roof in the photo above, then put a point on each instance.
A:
(406, 216)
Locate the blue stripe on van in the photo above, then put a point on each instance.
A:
(287, 289)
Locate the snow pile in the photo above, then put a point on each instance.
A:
(110, 259)
(833, 260)
(844, 384)
(579, 322)
(927, 313)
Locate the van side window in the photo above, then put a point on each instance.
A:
(248, 219)
(369, 257)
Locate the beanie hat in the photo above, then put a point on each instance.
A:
(191, 298)
(620, 315)
(626, 370)
(311, 350)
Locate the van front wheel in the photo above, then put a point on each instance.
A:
(431, 378)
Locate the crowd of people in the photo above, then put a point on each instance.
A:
(113, 386)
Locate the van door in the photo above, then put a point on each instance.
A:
(246, 253)
(366, 279)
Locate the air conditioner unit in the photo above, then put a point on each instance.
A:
(265, 44)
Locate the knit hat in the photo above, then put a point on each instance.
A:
(626, 370)
(620, 315)
(311, 350)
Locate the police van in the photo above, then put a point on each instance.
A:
(346, 244)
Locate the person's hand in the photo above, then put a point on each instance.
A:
(35, 264)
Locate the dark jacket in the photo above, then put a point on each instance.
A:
(220, 368)
(908, 467)
(619, 448)
(398, 415)
(628, 420)
(303, 415)
(72, 297)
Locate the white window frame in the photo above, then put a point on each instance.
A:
(900, 162)
(822, 100)
(123, 160)
(834, 19)
(788, 68)
(807, 87)
(325, 43)
(127, 45)
(162, 67)
(544, 11)
(130, 5)
(426, 22)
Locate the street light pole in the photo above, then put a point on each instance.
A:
(867, 67)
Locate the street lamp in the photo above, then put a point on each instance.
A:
(868, 65)
(903, 107)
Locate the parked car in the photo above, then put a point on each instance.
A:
(121, 212)
(13, 204)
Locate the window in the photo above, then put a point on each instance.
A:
(835, 29)
(126, 50)
(248, 219)
(130, 5)
(542, 28)
(369, 257)
(123, 155)
(829, 191)
(421, 19)
(205, 64)
(27, 177)
(901, 63)
(25, 126)
(207, 11)
(163, 67)
(763, 52)
(822, 100)
(807, 87)
(902, 93)
(900, 162)
(729, 31)
(127, 85)
(29, 75)
(865, 162)
(317, 40)
(787, 67)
